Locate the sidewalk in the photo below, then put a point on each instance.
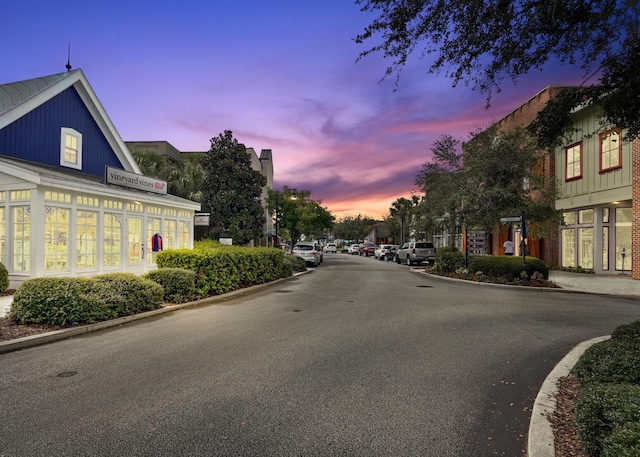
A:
(615, 284)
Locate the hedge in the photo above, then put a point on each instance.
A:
(607, 417)
(608, 407)
(448, 260)
(75, 301)
(179, 284)
(508, 266)
(221, 269)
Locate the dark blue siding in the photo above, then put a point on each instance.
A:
(36, 136)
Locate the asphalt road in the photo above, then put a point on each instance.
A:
(358, 358)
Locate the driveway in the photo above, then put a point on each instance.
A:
(358, 358)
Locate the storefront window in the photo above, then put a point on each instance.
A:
(183, 235)
(605, 248)
(86, 239)
(568, 247)
(585, 249)
(605, 215)
(21, 239)
(112, 239)
(3, 236)
(153, 227)
(585, 216)
(56, 239)
(623, 238)
(569, 217)
(169, 234)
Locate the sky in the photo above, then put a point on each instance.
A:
(280, 74)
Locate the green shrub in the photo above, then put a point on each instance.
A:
(508, 266)
(179, 284)
(4, 278)
(628, 332)
(57, 301)
(126, 293)
(298, 264)
(448, 260)
(624, 441)
(221, 269)
(607, 417)
(612, 361)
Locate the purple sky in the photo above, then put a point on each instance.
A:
(281, 75)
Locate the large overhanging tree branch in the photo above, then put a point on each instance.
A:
(484, 42)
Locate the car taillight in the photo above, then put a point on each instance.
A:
(413, 251)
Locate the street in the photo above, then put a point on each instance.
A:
(357, 358)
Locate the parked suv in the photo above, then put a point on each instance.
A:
(310, 252)
(416, 252)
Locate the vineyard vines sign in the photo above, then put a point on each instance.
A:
(135, 181)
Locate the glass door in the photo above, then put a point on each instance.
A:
(135, 245)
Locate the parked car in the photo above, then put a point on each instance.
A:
(416, 252)
(330, 247)
(309, 251)
(367, 249)
(391, 252)
(381, 252)
(354, 249)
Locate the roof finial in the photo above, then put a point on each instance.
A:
(68, 65)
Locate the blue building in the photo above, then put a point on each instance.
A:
(72, 199)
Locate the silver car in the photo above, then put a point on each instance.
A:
(310, 252)
(416, 252)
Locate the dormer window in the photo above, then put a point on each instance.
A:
(70, 148)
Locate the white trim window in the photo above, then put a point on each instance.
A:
(70, 148)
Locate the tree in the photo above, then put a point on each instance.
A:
(504, 178)
(231, 191)
(483, 42)
(184, 177)
(402, 210)
(444, 184)
(298, 215)
(353, 228)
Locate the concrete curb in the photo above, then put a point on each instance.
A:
(540, 438)
(531, 288)
(57, 335)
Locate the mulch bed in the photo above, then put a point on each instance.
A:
(565, 436)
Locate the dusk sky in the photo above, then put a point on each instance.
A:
(281, 75)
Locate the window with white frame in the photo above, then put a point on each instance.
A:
(70, 148)
(610, 151)
(86, 239)
(112, 241)
(56, 239)
(573, 162)
(21, 226)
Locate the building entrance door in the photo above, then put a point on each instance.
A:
(135, 245)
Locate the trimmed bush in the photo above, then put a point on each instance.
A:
(298, 264)
(179, 284)
(221, 269)
(628, 332)
(508, 266)
(448, 260)
(126, 293)
(611, 361)
(607, 417)
(58, 301)
(4, 278)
